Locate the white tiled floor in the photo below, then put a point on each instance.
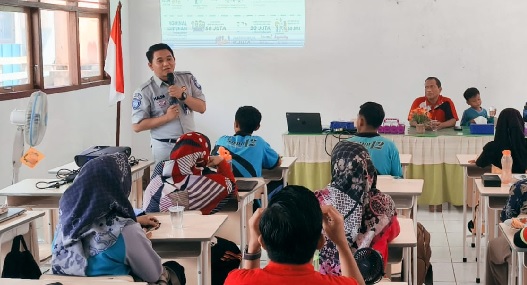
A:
(446, 230)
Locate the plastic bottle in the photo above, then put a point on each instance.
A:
(506, 167)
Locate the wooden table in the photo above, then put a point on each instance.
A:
(193, 240)
(21, 225)
(136, 195)
(486, 193)
(517, 256)
(84, 281)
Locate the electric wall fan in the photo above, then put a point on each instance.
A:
(370, 264)
(31, 124)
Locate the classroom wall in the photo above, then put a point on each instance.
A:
(356, 51)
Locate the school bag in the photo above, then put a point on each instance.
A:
(20, 264)
(424, 252)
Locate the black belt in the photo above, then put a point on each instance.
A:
(167, 140)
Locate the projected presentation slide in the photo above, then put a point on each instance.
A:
(233, 23)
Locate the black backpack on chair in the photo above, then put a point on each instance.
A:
(20, 264)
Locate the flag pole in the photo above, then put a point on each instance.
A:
(118, 119)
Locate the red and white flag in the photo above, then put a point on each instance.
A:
(114, 60)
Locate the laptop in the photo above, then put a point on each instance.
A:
(304, 123)
(11, 213)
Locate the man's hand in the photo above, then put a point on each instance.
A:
(148, 221)
(214, 160)
(473, 161)
(172, 112)
(333, 224)
(176, 91)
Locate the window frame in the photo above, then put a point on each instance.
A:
(33, 8)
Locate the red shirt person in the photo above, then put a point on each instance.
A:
(290, 229)
(441, 108)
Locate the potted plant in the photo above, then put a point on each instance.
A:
(421, 117)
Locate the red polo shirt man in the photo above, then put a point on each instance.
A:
(441, 108)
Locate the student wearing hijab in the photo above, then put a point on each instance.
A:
(186, 180)
(98, 233)
(509, 135)
(370, 219)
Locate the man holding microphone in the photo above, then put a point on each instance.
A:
(165, 104)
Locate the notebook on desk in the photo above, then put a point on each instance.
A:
(11, 213)
(304, 123)
(246, 185)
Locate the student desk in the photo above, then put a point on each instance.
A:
(405, 159)
(517, 257)
(21, 225)
(280, 172)
(136, 196)
(407, 239)
(486, 194)
(84, 281)
(404, 192)
(192, 240)
(433, 159)
(235, 229)
(469, 170)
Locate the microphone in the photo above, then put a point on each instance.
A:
(171, 79)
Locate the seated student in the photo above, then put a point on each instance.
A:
(250, 154)
(509, 135)
(290, 231)
(370, 218)
(473, 99)
(186, 180)
(98, 233)
(498, 249)
(383, 152)
(190, 181)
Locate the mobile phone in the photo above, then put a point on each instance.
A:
(152, 228)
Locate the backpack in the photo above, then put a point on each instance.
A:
(424, 268)
(20, 264)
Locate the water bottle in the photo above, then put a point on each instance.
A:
(506, 167)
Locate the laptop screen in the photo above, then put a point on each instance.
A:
(304, 123)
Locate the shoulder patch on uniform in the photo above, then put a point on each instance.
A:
(136, 103)
(196, 82)
(138, 96)
(182, 72)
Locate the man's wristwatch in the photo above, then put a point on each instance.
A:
(183, 96)
(251, 256)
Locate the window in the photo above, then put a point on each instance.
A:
(52, 45)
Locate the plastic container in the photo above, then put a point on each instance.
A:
(391, 126)
(506, 167)
(482, 129)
